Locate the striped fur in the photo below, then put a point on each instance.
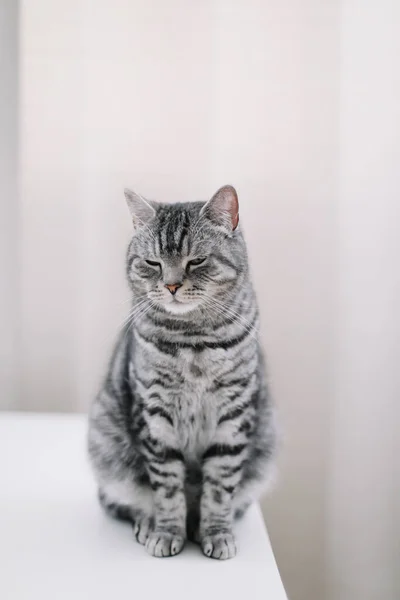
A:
(182, 435)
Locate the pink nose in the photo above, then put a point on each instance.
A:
(173, 287)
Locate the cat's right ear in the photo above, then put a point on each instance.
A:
(141, 210)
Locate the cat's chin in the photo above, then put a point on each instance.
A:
(180, 308)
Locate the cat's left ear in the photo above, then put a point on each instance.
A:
(141, 209)
(223, 208)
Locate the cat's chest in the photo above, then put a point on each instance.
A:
(195, 406)
(195, 424)
(189, 396)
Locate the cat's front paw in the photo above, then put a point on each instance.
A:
(161, 543)
(219, 545)
(142, 529)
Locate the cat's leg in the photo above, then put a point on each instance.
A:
(128, 501)
(124, 488)
(167, 476)
(222, 472)
(234, 475)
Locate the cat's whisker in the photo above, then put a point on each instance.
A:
(131, 298)
(125, 320)
(230, 318)
(132, 313)
(134, 319)
(138, 308)
(141, 314)
(230, 311)
(233, 317)
(125, 301)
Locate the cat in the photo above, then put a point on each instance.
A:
(182, 435)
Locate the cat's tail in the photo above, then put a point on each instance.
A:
(114, 510)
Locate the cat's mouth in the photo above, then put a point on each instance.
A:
(177, 306)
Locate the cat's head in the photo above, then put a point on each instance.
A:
(184, 256)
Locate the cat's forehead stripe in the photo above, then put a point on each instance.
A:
(173, 226)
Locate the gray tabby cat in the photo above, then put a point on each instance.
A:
(182, 434)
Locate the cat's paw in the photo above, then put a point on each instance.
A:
(161, 543)
(142, 529)
(219, 545)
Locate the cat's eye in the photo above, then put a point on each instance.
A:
(196, 261)
(153, 263)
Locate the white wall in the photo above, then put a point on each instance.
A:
(8, 203)
(364, 493)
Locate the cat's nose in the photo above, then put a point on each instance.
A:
(173, 287)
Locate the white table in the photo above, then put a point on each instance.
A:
(56, 544)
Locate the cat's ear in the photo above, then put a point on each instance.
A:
(141, 209)
(223, 208)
